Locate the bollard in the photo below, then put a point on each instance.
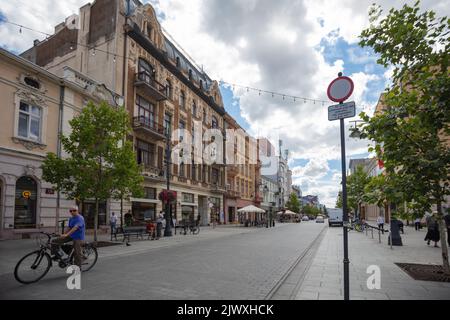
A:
(379, 235)
(390, 238)
(372, 232)
(365, 227)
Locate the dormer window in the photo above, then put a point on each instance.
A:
(32, 82)
(190, 74)
(178, 62)
(149, 30)
(214, 123)
(201, 84)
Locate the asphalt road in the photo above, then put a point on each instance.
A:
(236, 266)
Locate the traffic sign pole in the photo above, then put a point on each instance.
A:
(340, 90)
(345, 214)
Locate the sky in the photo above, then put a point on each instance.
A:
(294, 47)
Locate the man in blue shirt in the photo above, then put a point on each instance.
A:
(76, 234)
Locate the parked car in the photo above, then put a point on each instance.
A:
(305, 218)
(320, 219)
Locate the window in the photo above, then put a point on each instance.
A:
(193, 171)
(194, 109)
(215, 176)
(182, 99)
(150, 193)
(25, 203)
(168, 89)
(146, 111)
(204, 116)
(214, 123)
(146, 71)
(190, 74)
(188, 197)
(145, 153)
(30, 119)
(182, 127)
(167, 124)
(178, 62)
(201, 84)
(31, 82)
(182, 171)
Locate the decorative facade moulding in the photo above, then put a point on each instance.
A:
(30, 97)
(29, 145)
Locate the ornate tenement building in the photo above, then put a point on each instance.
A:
(120, 43)
(36, 106)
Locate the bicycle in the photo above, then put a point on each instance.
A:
(194, 228)
(358, 226)
(35, 265)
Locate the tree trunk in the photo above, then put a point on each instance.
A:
(442, 232)
(96, 220)
(121, 211)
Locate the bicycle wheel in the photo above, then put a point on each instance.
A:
(196, 230)
(32, 267)
(89, 259)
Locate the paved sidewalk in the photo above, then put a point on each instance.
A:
(324, 279)
(12, 250)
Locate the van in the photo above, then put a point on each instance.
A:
(335, 217)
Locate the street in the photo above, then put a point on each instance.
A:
(221, 263)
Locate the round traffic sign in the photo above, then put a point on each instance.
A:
(340, 89)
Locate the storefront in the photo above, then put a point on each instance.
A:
(144, 209)
(25, 204)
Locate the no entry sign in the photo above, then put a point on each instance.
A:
(340, 89)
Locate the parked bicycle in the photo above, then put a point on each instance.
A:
(35, 265)
(193, 228)
(358, 226)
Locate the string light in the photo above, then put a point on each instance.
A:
(115, 56)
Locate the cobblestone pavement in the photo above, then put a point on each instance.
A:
(220, 263)
(324, 279)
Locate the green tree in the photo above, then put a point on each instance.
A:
(293, 204)
(99, 165)
(339, 200)
(411, 134)
(356, 184)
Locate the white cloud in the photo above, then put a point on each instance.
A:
(267, 44)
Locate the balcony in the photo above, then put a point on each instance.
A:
(232, 170)
(232, 193)
(152, 172)
(152, 88)
(148, 126)
(217, 188)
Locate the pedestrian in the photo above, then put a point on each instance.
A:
(76, 234)
(113, 223)
(417, 224)
(159, 225)
(433, 231)
(380, 223)
(447, 224)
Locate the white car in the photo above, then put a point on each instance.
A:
(320, 219)
(305, 218)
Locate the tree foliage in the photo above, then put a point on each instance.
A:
(99, 164)
(293, 204)
(411, 134)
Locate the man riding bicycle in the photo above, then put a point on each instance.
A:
(76, 234)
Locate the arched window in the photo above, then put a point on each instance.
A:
(25, 203)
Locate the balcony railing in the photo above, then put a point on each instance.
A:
(215, 187)
(232, 193)
(153, 172)
(150, 86)
(149, 126)
(232, 170)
